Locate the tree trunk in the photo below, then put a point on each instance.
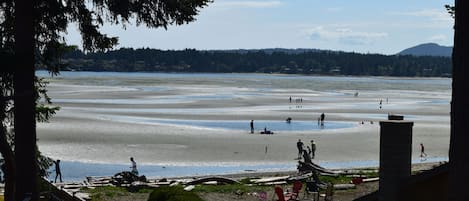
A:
(459, 151)
(24, 102)
(8, 156)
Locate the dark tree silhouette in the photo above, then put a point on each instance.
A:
(450, 10)
(30, 35)
(24, 100)
(260, 61)
(458, 152)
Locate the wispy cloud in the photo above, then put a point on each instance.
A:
(345, 35)
(248, 4)
(433, 14)
(438, 38)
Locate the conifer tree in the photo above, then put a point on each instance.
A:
(31, 35)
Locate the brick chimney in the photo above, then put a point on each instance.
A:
(395, 155)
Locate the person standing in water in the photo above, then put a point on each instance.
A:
(323, 116)
(252, 126)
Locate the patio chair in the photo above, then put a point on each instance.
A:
(297, 185)
(280, 195)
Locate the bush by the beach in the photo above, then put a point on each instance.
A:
(175, 193)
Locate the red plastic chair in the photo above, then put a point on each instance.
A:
(280, 195)
(297, 185)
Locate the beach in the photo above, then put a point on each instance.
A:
(169, 121)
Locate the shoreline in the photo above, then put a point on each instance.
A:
(78, 171)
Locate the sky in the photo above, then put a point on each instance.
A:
(365, 26)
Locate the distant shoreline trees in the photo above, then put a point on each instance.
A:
(303, 61)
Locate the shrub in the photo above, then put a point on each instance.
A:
(176, 193)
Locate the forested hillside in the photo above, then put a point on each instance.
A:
(300, 61)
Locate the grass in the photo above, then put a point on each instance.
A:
(229, 188)
(110, 192)
(342, 179)
(176, 193)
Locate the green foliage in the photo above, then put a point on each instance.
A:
(44, 113)
(246, 180)
(112, 192)
(100, 193)
(50, 20)
(341, 179)
(43, 163)
(451, 10)
(175, 193)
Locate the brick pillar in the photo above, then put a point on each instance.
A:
(395, 156)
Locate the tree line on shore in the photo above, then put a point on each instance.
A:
(302, 61)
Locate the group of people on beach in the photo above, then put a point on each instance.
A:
(297, 100)
(308, 153)
(288, 120)
(265, 131)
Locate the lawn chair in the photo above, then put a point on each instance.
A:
(280, 195)
(297, 185)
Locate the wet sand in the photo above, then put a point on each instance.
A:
(103, 120)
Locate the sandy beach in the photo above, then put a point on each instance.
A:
(200, 120)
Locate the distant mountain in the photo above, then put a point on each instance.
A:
(428, 49)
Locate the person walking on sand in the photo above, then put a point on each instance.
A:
(133, 168)
(290, 99)
(422, 151)
(58, 173)
(252, 126)
(299, 145)
(313, 149)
